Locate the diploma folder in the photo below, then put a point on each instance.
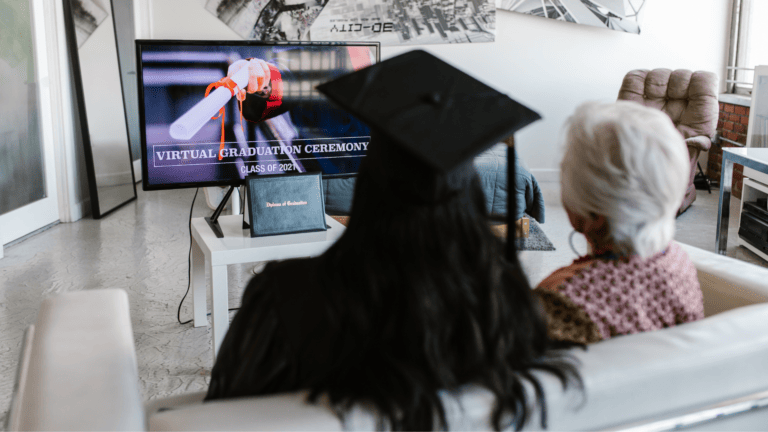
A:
(285, 204)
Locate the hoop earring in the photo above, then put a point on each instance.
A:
(570, 243)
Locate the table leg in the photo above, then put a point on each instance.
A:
(198, 286)
(724, 205)
(235, 202)
(219, 306)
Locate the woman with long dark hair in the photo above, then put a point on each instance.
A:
(414, 299)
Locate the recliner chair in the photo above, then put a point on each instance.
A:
(690, 101)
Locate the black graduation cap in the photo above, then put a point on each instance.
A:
(434, 111)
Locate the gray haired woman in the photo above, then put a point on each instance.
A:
(623, 177)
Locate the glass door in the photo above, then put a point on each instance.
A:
(28, 196)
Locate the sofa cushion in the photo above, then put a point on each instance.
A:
(279, 412)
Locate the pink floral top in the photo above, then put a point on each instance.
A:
(596, 298)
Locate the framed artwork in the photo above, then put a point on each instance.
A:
(619, 15)
(86, 15)
(390, 22)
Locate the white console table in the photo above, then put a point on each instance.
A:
(237, 247)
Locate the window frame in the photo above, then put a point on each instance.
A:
(736, 82)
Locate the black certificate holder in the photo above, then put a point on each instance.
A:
(284, 204)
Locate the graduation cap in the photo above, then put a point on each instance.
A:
(419, 105)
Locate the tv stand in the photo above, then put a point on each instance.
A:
(213, 221)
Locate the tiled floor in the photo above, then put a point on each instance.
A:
(142, 248)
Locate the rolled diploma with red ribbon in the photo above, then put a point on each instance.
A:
(186, 126)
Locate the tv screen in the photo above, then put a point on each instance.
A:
(214, 112)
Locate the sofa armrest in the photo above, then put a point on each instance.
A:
(668, 372)
(703, 143)
(22, 372)
(727, 283)
(82, 372)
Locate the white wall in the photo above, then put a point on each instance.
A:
(548, 65)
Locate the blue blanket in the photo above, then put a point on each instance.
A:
(491, 167)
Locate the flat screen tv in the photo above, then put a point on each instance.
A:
(200, 129)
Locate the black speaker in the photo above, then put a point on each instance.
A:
(754, 225)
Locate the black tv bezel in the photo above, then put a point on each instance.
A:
(140, 83)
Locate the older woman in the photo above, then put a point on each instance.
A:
(623, 178)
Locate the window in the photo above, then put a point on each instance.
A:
(748, 47)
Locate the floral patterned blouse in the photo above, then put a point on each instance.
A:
(596, 298)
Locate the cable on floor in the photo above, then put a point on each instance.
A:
(189, 266)
(189, 261)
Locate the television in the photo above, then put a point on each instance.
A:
(200, 129)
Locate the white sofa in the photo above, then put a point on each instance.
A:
(78, 372)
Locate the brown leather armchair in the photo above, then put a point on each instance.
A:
(688, 98)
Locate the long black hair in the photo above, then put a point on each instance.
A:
(428, 291)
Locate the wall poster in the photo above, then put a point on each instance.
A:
(87, 15)
(619, 15)
(391, 22)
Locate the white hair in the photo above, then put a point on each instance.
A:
(628, 163)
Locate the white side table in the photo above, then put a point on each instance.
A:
(751, 191)
(237, 247)
(753, 158)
